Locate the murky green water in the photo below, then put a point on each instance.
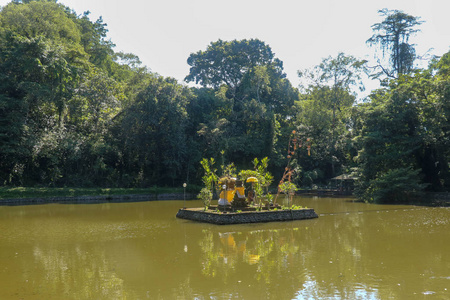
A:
(141, 251)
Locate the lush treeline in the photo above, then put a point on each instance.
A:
(402, 135)
(73, 112)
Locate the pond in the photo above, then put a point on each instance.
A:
(141, 251)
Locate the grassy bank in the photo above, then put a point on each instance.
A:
(43, 192)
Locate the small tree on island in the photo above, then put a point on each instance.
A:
(209, 180)
(288, 188)
(206, 196)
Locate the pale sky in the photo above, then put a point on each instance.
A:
(301, 33)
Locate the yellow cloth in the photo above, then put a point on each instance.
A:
(227, 195)
(241, 192)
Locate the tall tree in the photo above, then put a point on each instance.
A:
(392, 36)
(324, 110)
(47, 54)
(94, 42)
(337, 74)
(153, 133)
(387, 140)
(227, 62)
(403, 136)
(254, 94)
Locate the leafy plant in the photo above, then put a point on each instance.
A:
(206, 196)
(394, 186)
(209, 178)
(264, 177)
(296, 207)
(289, 189)
(229, 170)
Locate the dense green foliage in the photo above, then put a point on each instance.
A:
(45, 192)
(403, 136)
(249, 100)
(324, 116)
(73, 112)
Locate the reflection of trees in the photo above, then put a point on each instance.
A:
(261, 257)
(71, 273)
(373, 252)
(210, 261)
(377, 251)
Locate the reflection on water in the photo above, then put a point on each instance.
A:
(141, 251)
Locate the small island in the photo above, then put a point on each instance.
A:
(243, 200)
(215, 216)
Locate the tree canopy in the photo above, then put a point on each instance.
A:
(392, 36)
(228, 62)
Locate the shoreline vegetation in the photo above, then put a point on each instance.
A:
(37, 195)
(19, 193)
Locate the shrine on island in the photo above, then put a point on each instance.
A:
(244, 197)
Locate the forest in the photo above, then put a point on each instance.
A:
(75, 113)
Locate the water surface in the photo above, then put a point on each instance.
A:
(141, 251)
